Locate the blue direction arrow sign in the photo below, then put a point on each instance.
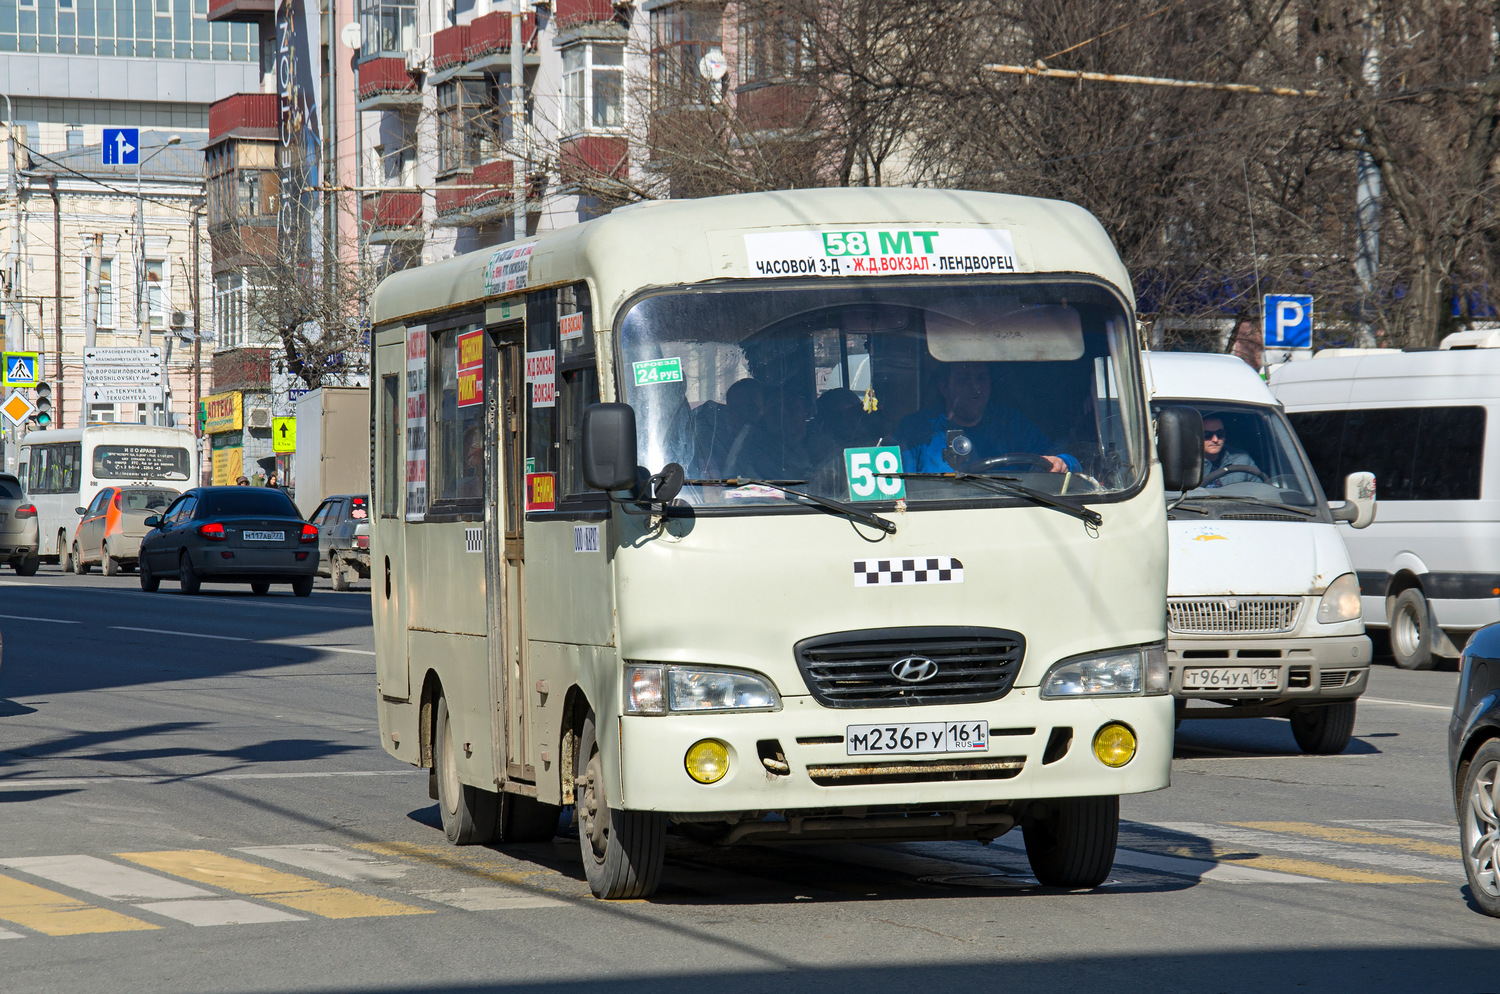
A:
(122, 146)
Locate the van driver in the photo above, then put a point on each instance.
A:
(1217, 454)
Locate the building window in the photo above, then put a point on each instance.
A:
(467, 117)
(680, 35)
(104, 315)
(387, 28)
(593, 88)
(156, 295)
(773, 47)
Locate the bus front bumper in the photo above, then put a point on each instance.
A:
(1025, 758)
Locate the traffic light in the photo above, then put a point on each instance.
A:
(43, 416)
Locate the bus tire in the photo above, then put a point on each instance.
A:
(27, 566)
(1324, 730)
(150, 582)
(80, 568)
(525, 819)
(1073, 846)
(471, 816)
(623, 851)
(187, 577)
(1411, 631)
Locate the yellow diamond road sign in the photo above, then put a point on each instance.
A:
(17, 408)
(283, 434)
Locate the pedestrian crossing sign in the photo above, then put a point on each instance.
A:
(19, 369)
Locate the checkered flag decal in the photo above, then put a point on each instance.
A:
(473, 539)
(890, 572)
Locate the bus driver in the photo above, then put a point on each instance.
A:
(965, 387)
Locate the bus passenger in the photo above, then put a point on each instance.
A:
(993, 431)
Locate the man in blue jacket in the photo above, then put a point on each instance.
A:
(925, 436)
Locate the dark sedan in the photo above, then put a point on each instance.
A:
(230, 535)
(1474, 762)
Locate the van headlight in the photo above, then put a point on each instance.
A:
(1340, 602)
(657, 688)
(1141, 670)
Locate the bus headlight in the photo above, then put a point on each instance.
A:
(1340, 602)
(653, 688)
(1117, 673)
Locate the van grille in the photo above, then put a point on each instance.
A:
(857, 669)
(1232, 615)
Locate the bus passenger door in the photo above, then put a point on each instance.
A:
(388, 562)
(505, 558)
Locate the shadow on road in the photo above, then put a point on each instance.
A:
(1218, 738)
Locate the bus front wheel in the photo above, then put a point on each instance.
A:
(623, 851)
(1073, 845)
(470, 815)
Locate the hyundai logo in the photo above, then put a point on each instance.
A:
(914, 669)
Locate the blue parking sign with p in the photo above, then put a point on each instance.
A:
(1288, 321)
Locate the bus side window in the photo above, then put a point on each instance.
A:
(560, 329)
(455, 410)
(390, 444)
(23, 473)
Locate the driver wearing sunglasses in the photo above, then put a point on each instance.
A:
(1217, 454)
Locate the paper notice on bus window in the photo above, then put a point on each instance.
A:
(541, 491)
(570, 326)
(541, 377)
(880, 252)
(471, 369)
(416, 423)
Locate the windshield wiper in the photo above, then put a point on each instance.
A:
(1244, 499)
(1005, 485)
(823, 503)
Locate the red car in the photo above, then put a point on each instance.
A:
(112, 526)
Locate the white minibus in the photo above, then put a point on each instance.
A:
(63, 470)
(820, 514)
(1429, 567)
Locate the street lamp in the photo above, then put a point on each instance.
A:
(142, 310)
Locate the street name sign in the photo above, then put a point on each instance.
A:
(128, 356)
(283, 434)
(121, 147)
(124, 393)
(94, 375)
(1288, 321)
(17, 408)
(18, 369)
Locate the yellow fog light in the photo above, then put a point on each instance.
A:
(1114, 745)
(707, 761)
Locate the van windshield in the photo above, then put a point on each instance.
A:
(886, 390)
(1250, 454)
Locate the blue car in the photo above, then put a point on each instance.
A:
(248, 535)
(1474, 761)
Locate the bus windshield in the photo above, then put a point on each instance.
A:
(1249, 455)
(886, 390)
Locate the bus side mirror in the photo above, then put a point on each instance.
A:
(1359, 501)
(152, 521)
(1179, 443)
(608, 451)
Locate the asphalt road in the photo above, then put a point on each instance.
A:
(193, 798)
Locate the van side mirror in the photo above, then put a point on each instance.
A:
(1359, 501)
(608, 449)
(1179, 444)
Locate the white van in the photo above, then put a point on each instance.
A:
(1263, 612)
(1429, 570)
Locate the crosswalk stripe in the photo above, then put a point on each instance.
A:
(471, 862)
(489, 899)
(1390, 863)
(102, 878)
(276, 886)
(1354, 836)
(330, 860)
(10, 935)
(1288, 868)
(219, 911)
(1404, 826)
(52, 913)
(1145, 853)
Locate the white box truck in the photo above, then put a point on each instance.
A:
(333, 445)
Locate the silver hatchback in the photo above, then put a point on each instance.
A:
(19, 532)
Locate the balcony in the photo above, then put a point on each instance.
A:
(243, 115)
(481, 46)
(384, 84)
(393, 216)
(572, 13)
(249, 11)
(775, 106)
(591, 162)
(483, 195)
(449, 46)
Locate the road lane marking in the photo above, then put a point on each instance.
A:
(191, 635)
(219, 911)
(51, 913)
(330, 861)
(102, 878)
(488, 899)
(325, 648)
(1388, 863)
(1354, 836)
(1405, 826)
(10, 935)
(1182, 862)
(159, 779)
(464, 860)
(1305, 870)
(1406, 704)
(48, 621)
(276, 886)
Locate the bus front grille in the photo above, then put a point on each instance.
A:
(1232, 615)
(948, 771)
(897, 667)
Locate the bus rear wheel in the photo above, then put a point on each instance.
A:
(623, 851)
(1073, 845)
(471, 816)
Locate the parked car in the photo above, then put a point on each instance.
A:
(1474, 764)
(248, 535)
(19, 536)
(343, 538)
(110, 529)
(1263, 609)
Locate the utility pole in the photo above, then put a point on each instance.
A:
(57, 341)
(517, 123)
(1367, 194)
(9, 433)
(197, 286)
